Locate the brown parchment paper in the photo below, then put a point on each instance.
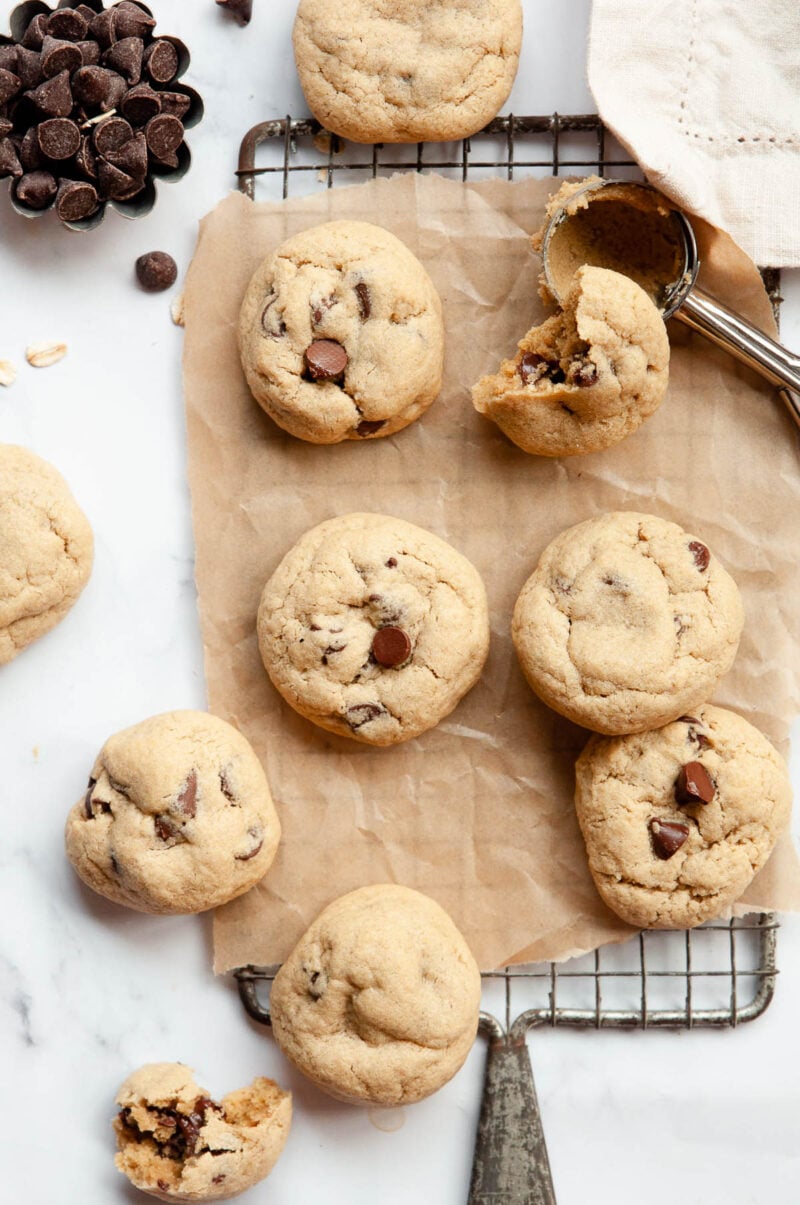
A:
(478, 812)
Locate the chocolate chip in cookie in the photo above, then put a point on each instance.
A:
(701, 555)
(326, 360)
(364, 305)
(668, 837)
(694, 784)
(363, 713)
(391, 647)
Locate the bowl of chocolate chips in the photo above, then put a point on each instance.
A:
(92, 110)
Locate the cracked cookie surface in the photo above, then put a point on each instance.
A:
(403, 71)
(373, 628)
(627, 785)
(177, 816)
(588, 376)
(379, 1000)
(626, 622)
(341, 334)
(46, 549)
(178, 1144)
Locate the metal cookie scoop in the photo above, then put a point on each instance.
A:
(667, 239)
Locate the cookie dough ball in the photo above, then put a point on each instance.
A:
(341, 334)
(46, 549)
(379, 1000)
(678, 821)
(626, 623)
(373, 628)
(587, 377)
(404, 71)
(178, 816)
(177, 1144)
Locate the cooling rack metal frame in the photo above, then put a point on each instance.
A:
(719, 975)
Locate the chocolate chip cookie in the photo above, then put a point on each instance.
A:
(378, 1002)
(626, 623)
(678, 821)
(177, 816)
(402, 71)
(373, 628)
(341, 334)
(178, 1144)
(46, 549)
(587, 377)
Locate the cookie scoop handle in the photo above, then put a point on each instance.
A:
(730, 331)
(510, 1166)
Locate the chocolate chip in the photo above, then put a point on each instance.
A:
(54, 96)
(694, 784)
(10, 85)
(240, 10)
(9, 159)
(59, 56)
(29, 67)
(9, 57)
(6, 127)
(175, 104)
(98, 88)
(87, 800)
(257, 835)
(363, 713)
(68, 24)
(701, 555)
(132, 21)
(30, 153)
(116, 185)
(161, 61)
(364, 306)
(164, 135)
(85, 159)
(156, 271)
(225, 786)
(667, 836)
(533, 367)
(77, 199)
(102, 29)
(165, 829)
(35, 33)
(325, 360)
(131, 157)
(87, 12)
(392, 562)
(391, 647)
(111, 134)
(162, 1185)
(59, 138)
(90, 53)
(583, 374)
(140, 104)
(218, 1179)
(370, 426)
(126, 57)
(187, 799)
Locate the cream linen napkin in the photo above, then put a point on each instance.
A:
(706, 96)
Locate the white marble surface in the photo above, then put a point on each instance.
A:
(88, 991)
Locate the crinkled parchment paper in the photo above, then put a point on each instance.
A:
(477, 813)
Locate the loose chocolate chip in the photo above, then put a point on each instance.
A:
(164, 135)
(701, 555)
(161, 61)
(187, 799)
(364, 306)
(370, 426)
(668, 836)
(6, 127)
(54, 96)
(69, 24)
(325, 360)
(30, 153)
(29, 67)
(9, 159)
(363, 713)
(257, 835)
(9, 57)
(156, 271)
(59, 56)
(102, 28)
(583, 374)
(131, 157)
(126, 57)
(240, 10)
(59, 138)
(132, 21)
(111, 134)
(175, 104)
(77, 199)
(391, 647)
(116, 185)
(87, 12)
(98, 88)
(10, 84)
(87, 800)
(90, 53)
(35, 33)
(140, 104)
(85, 159)
(392, 562)
(694, 784)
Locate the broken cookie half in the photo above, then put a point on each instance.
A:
(588, 376)
(178, 1144)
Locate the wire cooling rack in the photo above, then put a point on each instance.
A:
(718, 975)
